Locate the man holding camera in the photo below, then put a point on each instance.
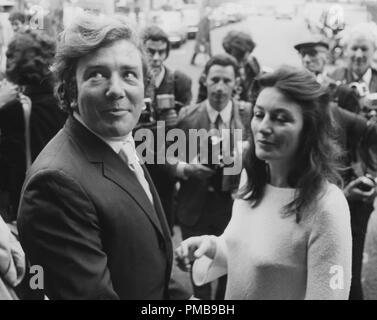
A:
(205, 197)
(169, 91)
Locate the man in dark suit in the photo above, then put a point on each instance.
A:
(205, 197)
(89, 213)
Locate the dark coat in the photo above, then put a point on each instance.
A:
(193, 194)
(177, 83)
(345, 76)
(85, 218)
(45, 121)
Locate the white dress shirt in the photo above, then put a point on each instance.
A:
(125, 148)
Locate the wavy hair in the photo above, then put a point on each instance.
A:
(319, 156)
(85, 35)
(238, 43)
(29, 58)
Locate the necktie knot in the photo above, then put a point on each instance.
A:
(218, 122)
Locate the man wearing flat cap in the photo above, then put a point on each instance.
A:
(314, 55)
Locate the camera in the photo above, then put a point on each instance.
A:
(367, 183)
(216, 160)
(361, 89)
(369, 105)
(148, 116)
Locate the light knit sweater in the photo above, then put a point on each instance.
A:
(269, 256)
(369, 271)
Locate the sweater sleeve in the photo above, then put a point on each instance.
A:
(330, 250)
(206, 270)
(369, 275)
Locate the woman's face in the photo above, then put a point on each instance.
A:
(276, 125)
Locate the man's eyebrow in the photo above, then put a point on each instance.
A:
(132, 67)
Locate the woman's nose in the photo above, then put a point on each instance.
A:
(265, 126)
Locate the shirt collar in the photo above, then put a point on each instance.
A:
(160, 77)
(114, 143)
(367, 76)
(225, 114)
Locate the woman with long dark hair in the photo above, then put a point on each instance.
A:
(289, 236)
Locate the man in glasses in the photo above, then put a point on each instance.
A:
(314, 55)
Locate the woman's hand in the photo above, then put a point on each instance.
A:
(12, 257)
(193, 248)
(353, 190)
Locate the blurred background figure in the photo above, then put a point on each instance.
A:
(169, 91)
(18, 21)
(359, 48)
(203, 36)
(240, 45)
(29, 112)
(353, 128)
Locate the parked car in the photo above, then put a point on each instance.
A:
(172, 23)
(233, 11)
(218, 17)
(285, 12)
(191, 18)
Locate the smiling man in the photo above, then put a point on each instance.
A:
(360, 47)
(89, 214)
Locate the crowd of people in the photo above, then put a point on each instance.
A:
(78, 199)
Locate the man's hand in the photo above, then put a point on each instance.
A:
(353, 192)
(12, 257)
(198, 171)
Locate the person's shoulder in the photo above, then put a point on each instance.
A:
(59, 154)
(181, 76)
(190, 112)
(339, 74)
(332, 204)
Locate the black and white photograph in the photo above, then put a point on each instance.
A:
(202, 152)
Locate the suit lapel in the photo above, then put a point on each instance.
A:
(114, 169)
(118, 172)
(373, 82)
(157, 203)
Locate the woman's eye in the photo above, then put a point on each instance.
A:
(282, 119)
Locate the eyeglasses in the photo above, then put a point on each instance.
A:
(311, 52)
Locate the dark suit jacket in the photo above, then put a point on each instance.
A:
(177, 83)
(344, 76)
(86, 220)
(192, 195)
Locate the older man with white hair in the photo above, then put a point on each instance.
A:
(360, 44)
